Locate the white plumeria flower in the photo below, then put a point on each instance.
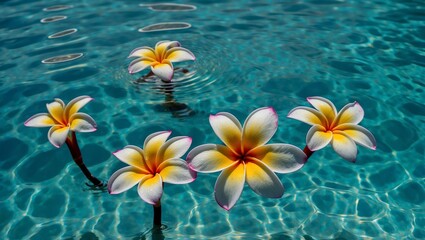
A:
(246, 157)
(160, 59)
(63, 119)
(340, 129)
(159, 161)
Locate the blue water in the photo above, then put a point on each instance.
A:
(250, 54)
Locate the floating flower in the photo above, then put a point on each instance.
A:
(63, 119)
(159, 59)
(159, 161)
(340, 129)
(64, 122)
(245, 157)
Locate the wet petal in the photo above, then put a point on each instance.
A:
(57, 135)
(359, 134)
(174, 148)
(40, 120)
(152, 145)
(161, 47)
(259, 128)
(210, 158)
(133, 156)
(76, 104)
(164, 70)
(280, 158)
(229, 185)
(326, 107)
(307, 115)
(176, 171)
(140, 64)
(317, 137)
(124, 179)
(150, 189)
(179, 54)
(228, 129)
(56, 110)
(350, 113)
(262, 180)
(344, 146)
(81, 122)
(143, 52)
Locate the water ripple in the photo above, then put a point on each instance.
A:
(165, 26)
(62, 58)
(57, 8)
(53, 19)
(169, 7)
(64, 33)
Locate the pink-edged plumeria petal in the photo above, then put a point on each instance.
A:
(176, 171)
(326, 107)
(40, 120)
(228, 129)
(150, 189)
(280, 158)
(174, 148)
(164, 70)
(344, 146)
(124, 179)
(57, 135)
(81, 122)
(151, 147)
(75, 105)
(359, 134)
(162, 47)
(351, 113)
(209, 158)
(307, 115)
(262, 180)
(56, 110)
(140, 64)
(259, 128)
(133, 156)
(143, 52)
(179, 54)
(317, 137)
(229, 185)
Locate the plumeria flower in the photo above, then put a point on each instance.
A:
(245, 157)
(63, 119)
(159, 59)
(159, 161)
(340, 129)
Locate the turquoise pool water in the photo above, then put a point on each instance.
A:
(250, 54)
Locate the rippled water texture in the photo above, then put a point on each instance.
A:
(249, 54)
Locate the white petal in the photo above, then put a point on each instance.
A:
(164, 71)
(139, 64)
(81, 122)
(76, 104)
(179, 54)
(124, 179)
(344, 146)
(262, 180)
(133, 156)
(150, 189)
(210, 158)
(350, 113)
(229, 185)
(176, 171)
(143, 52)
(307, 115)
(174, 148)
(317, 137)
(280, 158)
(359, 134)
(228, 129)
(40, 120)
(57, 135)
(259, 128)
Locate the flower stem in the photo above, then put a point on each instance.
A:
(307, 152)
(157, 214)
(72, 144)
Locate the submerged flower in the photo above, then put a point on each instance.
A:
(159, 161)
(159, 59)
(245, 157)
(340, 129)
(63, 119)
